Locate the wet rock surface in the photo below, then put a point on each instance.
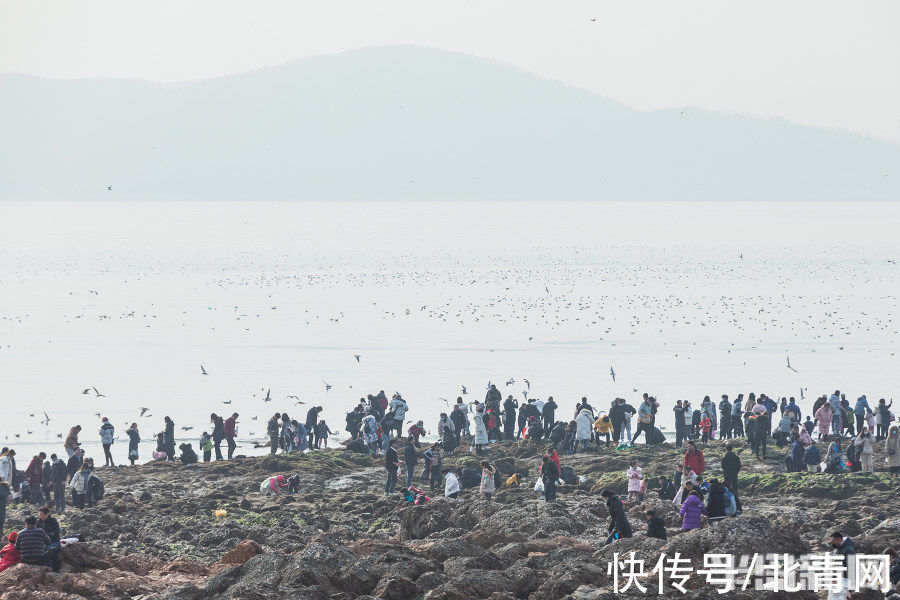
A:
(156, 533)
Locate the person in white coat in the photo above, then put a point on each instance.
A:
(481, 434)
(6, 466)
(451, 485)
(583, 424)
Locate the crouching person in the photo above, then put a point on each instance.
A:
(35, 546)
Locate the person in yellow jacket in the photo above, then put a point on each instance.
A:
(603, 427)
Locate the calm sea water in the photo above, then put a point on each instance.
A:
(680, 299)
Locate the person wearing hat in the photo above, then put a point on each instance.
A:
(272, 485)
(107, 437)
(9, 556)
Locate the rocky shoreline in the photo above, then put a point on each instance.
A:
(156, 533)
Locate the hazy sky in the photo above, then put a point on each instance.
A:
(818, 62)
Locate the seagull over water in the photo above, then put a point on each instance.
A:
(99, 395)
(203, 371)
(612, 374)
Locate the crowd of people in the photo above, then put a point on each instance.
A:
(376, 426)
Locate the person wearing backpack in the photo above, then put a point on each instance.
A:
(206, 445)
(811, 458)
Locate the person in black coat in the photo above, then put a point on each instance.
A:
(410, 458)
(218, 433)
(715, 501)
(549, 477)
(509, 417)
(618, 522)
(169, 439)
(656, 527)
(188, 456)
(549, 414)
(75, 462)
(48, 524)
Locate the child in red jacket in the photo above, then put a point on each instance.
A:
(9, 556)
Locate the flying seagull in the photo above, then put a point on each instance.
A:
(226, 402)
(356, 356)
(612, 374)
(528, 383)
(187, 428)
(203, 371)
(327, 385)
(294, 397)
(46, 420)
(86, 391)
(464, 390)
(109, 188)
(789, 364)
(99, 395)
(268, 398)
(143, 410)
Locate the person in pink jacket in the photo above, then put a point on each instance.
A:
(635, 477)
(823, 417)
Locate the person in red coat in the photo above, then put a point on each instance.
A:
(416, 431)
(694, 459)
(34, 477)
(230, 424)
(9, 556)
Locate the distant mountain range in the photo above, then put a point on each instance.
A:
(408, 123)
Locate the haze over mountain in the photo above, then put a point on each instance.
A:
(408, 123)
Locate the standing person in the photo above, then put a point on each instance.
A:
(694, 458)
(859, 413)
(824, 417)
(273, 428)
(230, 428)
(107, 437)
(410, 458)
(481, 436)
(584, 423)
(5, 493)
(679, 424)
(645, 420)
(45, 480)
(322, 433)
(435, 466)
(34, 544)
(370, 433)
(691, 511)
(134, 438)
(619, 527)
(892, 450)
(59, 474)
(548, 411)
(737, 416)
(399, 407)
(836, 409)
(509, 417)
(635, 479)
(731, 466)
(34, 475)
(864, 451)
(312, 419)
(883, 422)
(460, 420)
(811, 458)
(763, 430)
(218, 433)
(549, 477)
(6, 466)
(206, 446)
(724, 418)
(169, 439)
(488, 485)
(391, 464)
(71, 442)
(80, 487)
